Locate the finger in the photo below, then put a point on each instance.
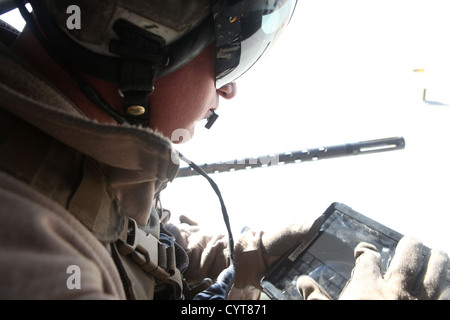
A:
(365, 274)
(445, 295)
(406, 263)
(184, 219)
(432, 276)
(165, 216)
(311, 290)
(277, 243)
(367, 262)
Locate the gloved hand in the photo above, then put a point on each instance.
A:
(207, 251)
(409, 276)
(256, 252)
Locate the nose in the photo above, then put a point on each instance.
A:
(228, 91)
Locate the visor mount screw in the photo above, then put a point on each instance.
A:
(136, 110)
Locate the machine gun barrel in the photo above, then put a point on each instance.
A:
(342, 150)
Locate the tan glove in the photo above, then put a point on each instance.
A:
(409, 276)
(207, 251)
(256, 252)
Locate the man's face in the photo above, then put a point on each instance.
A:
(187, 96)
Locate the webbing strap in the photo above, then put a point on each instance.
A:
(142, 56)
(145, 250)
(154, 257)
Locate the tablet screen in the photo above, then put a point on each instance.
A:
(329, 258)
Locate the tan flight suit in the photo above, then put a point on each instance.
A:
(67, 188)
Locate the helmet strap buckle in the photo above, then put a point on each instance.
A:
(142, 56)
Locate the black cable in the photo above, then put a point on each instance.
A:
(222, 203)
(225, 281)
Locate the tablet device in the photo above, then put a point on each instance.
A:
(328, 258)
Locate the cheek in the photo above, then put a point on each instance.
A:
(178, 105)
(184, 97)
(196, 94)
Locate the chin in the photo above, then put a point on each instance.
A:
(180, 136)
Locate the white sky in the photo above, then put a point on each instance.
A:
(341, 72)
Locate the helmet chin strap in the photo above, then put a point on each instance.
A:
(89, 91)
(142, 56)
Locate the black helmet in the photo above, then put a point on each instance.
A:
(133, 42)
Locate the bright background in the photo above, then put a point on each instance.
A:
(342, 72)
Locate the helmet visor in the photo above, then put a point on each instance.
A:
(245, 30)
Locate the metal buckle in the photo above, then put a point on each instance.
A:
(143, 249)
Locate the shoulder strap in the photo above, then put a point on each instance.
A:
(155, 261)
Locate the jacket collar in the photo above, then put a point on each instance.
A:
(137, 162)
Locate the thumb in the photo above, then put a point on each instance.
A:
(184, 219)
(278, 242)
